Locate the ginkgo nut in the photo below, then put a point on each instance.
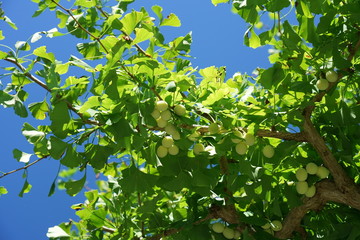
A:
(268, 151)
(302, 187)
(311, 191)
(331, 76)
(161, 151)
(301, 174)
(180, 110)
(161, 122)
(166, 115)
(161, 105)
(198, 148)
(173, 150)
(213, 128)
(218, 227)
(228, 233)
(276, 225)
(249, 139)
(322, 84)
(322, 172)
(241, 148)
(311, 168)
(167, 141)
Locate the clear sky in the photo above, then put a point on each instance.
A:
(217, 40)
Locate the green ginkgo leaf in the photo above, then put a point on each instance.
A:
(171, 20)
(74, 187)
(56, 232)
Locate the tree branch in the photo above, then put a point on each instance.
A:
(354, 49)
(79, 25)
(127, 36)
(326, 191)
(44, 86)
(299, 137)
(343, 190)
(318, 97)
(343, 182)
(27, 74)
(107, 229)
(25, 167)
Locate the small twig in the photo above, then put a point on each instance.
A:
(29, 75)
(68, 11)
(279, 22)
(25, 167)
(156, 93)
(44, 86)
(107, 229)
(128, 37)
(142, 222)
(94, 37)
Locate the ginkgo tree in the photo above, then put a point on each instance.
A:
(187, 153)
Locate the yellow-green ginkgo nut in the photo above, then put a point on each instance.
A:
(301, 174)
(173, 150)
(218, 227)
(301, 187)
(268, 151)
(249, 139)
(311, 191)
(180, 110)
(162, 151)
(241, 148)
(198, 148)
(167, 141)
(311, 168)
(161, 105)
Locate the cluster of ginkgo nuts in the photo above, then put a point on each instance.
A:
(272, 226)
(302, 186)
(227, 232)
(162, 115)
(243, 141)
(323, 83)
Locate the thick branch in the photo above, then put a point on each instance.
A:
(343, 182)
(343, 190)
(299, 137)
(228, 213)
(326, 191)
(22, 168)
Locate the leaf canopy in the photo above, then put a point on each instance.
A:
(142, 118)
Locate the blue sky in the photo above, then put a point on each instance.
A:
(217, 40)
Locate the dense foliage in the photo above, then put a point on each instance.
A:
(181, 151)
